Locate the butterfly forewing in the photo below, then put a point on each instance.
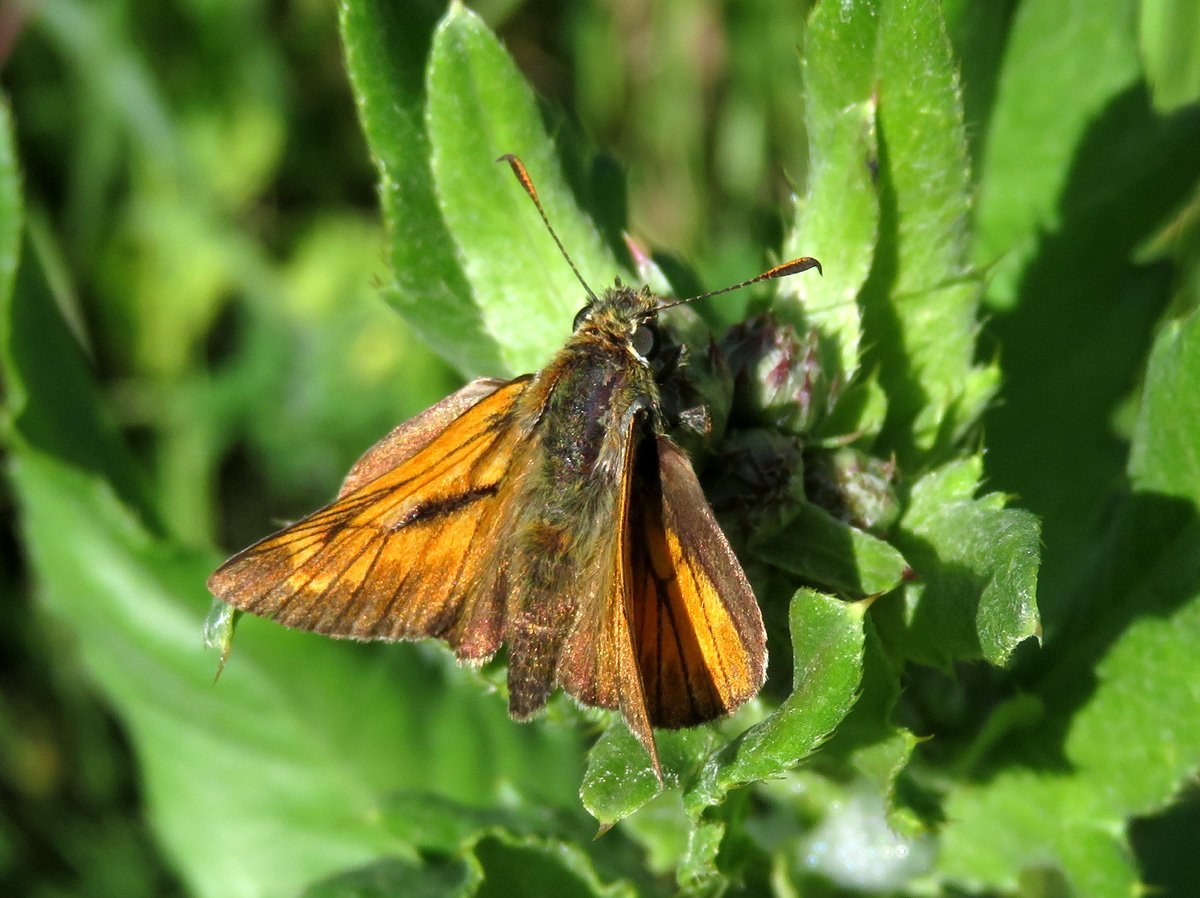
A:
(405, 555)
(407, 439)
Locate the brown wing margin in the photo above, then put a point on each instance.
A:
(403, 556)
(701, 646)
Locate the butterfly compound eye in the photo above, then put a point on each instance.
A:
(644, 340)
(580, 317)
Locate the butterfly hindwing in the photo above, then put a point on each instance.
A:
(699, 636)
(675, 638)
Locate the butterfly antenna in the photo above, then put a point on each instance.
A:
(527, 182)
(779, 271)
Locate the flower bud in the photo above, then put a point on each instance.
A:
(777, 374)
(756, 480)
(853, 486)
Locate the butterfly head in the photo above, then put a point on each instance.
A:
(622, 316)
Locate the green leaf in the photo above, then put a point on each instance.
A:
(819, 548)
(435, 877)
(838, 218)
(386, 45)
(827, 640)
(1126, 752)
(889, 64)
(1166, 448)
(1058, 75)
(1170, 38)
(922, 300)
(976, 565)
(619, 778)
(480, 108)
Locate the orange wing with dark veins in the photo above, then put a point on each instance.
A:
(701, 646)
(405, 554)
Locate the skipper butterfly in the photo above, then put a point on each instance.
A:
(550, 512)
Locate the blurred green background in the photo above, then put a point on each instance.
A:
(202, 206)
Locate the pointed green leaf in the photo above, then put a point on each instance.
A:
(480, 108)
(386, 46)
(922, 302)
(619, 779)
(838, 217)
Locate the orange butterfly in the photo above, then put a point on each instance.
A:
(550, 512)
